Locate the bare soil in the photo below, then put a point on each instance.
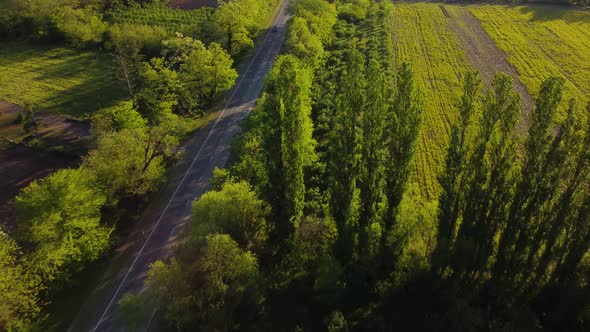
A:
(21, 164)
(484, 55)
(53, 130)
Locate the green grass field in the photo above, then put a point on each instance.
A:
(422, 36)
(542, 41)
(58, 79)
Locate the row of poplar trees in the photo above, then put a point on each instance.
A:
(514, 209)
(364, 158)
(330, 148)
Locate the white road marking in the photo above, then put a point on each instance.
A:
(185, 174)
(151, 318)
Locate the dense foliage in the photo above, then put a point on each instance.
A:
(349, 242)
(319, 223)
(65, 220)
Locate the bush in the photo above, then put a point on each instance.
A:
(60, 216)
(81, 27)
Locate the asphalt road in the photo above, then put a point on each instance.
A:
(170, 211)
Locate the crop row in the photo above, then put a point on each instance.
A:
(421, 35)
(166, 17)
(541, 42)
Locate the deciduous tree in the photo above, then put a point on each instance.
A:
(452, 180)
(343, 154)
(60, 216)
(234, 210)
(19, 289)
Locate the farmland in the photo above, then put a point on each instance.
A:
(541, 42)
(57, 79)
(532, 43)
(171, 19)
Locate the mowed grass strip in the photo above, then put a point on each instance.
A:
(542, 41)
(58, 79)
(422, 36)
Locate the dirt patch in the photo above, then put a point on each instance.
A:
(485, 56)
(54, 130)
(192, 4)
(20, 164)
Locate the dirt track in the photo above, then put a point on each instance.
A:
(53, 129)
(19, 164)
(483, 53)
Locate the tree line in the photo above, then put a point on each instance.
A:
(324, 229)
(99, 23)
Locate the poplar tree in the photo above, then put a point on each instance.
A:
(288, 137)
(452, 179)
(489, 178)
(577, 230)
(405, 119)
(344, 149)
(550, 225)
(372, 151)
(534, 187)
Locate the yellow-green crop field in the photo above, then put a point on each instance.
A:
(537, 41)
(58, 79)
(542, 41)
(422, 36)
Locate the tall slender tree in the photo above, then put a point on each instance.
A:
(490, 176)
(288, 106)
(343, 153)
(452, 179)
(534, 187)
(372, 170)
(568, 175)
(405, 120)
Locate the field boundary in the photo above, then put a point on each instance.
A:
(485, 56)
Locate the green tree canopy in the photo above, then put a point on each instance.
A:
(20, 302)
(302, 43)
(235, 210)
(118, 117)
(131, 161)
(81, 26)
(211, 292)
(320, 16)
(60, 216)
(236, 21)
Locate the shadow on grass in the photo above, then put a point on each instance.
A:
(58, 79)
(543, 12)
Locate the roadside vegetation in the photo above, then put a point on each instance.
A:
(141, 86)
